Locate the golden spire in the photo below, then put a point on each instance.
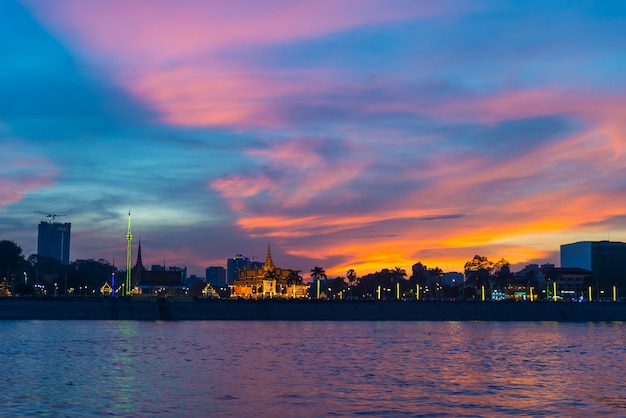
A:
(269, 264)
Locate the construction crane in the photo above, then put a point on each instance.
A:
(51, 216)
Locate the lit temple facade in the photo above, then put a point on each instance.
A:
(268, 281)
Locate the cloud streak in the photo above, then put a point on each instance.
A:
(362, 134)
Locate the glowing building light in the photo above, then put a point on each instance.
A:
(129, 239)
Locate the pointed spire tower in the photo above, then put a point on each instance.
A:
(269, 264)
(139, 268)
(139, 263)
(128, 290)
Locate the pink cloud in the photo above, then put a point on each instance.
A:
(190, 27)
(168, 54)
(22, 173)
(300, 174)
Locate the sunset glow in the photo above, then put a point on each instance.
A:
(362, 134)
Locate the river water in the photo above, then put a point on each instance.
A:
(299, 369)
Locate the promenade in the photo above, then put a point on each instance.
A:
(186, 308)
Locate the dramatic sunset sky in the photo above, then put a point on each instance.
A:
(347, 133)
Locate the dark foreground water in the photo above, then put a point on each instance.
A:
(295, 369)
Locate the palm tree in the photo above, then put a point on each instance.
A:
(318, 273)
(397, 274)
(294, 279)
(352, 279)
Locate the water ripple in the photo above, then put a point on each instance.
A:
(307, 369)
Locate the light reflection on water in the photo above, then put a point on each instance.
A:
(125, 368)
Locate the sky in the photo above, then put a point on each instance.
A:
(348, 134)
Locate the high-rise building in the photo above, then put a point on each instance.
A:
(234, 265)
(605, 259)
(54, 241)
(216, 276)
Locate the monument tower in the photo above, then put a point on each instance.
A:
(128, 289)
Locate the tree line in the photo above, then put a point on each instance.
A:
(40, 276)
(423, 283)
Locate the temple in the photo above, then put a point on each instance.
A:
(268, 281)
(162, 283)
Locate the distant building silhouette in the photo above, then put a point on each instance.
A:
(605, 259)
(193, 279)
(160, 282)
(54, 241)
(216, 276)
(234, 265)
(571, 282)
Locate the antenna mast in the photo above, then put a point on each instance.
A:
(51, 216)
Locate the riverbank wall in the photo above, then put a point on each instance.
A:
(186, 308)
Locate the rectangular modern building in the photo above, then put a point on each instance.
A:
(216, 276)
(54, 241)
(233, 265)
(605, 259)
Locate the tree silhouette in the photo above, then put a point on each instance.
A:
(397, 275)
(318, 273)
(11, 258)
(12, 265)
(294, 278)
(478, 271)
(352, 280)
(502, 274)
(420, 274)
(87, 276)
(337, 285)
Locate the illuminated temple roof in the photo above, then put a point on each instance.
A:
(269, 264)
(268, 281)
